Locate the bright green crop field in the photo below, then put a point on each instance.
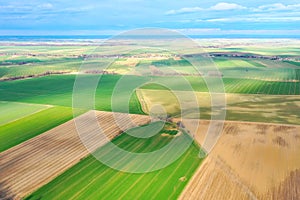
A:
(89, 179)
(18, 131)
(11, 111)
(233, 85)
(57, 90)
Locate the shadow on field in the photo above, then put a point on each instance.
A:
(4, 194)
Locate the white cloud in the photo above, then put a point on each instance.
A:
(277, 7)
(227, 6)
(255, 19)
(262, 32)
(46, 5)
(217, 7)
(185, 21)
(184, 10)
(218, 31)
(294, 7)
(223, 6)
(199, 31)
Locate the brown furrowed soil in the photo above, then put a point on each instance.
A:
(28, 166)
(250, 161)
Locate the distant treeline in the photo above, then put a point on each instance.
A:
(30, 76)
(244, 55)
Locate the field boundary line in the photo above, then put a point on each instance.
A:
(247, 122)
(22, 102)
(81, 169)
(234, 177)
(42, 109)
(142, 101)
(138, 147)
(236, 93)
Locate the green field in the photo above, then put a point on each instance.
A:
(90, 179)
(232, 85)
(11, 111)
(261, 47)
(260, 69)
(249, 68)
(18, 131)
(57, 90)
(40, 68)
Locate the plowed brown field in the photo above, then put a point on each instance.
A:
(250, 161)
(26, 167)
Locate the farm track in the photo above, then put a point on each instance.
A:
(28, 166)
(249, 161)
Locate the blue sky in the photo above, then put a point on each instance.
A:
(111, 16)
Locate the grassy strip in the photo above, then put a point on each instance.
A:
(11, 111)
(28, 127)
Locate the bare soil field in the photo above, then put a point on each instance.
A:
(250, 161)
(28, 166)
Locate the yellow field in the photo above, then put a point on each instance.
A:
(240, 107)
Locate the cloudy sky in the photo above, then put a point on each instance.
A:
(112, 16)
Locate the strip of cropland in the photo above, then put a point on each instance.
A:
(58, 90)
(11, 111)
(35, 162)
(249, 161)
(233, 85)
(239, 107)
(20, 130)
(91, 179)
